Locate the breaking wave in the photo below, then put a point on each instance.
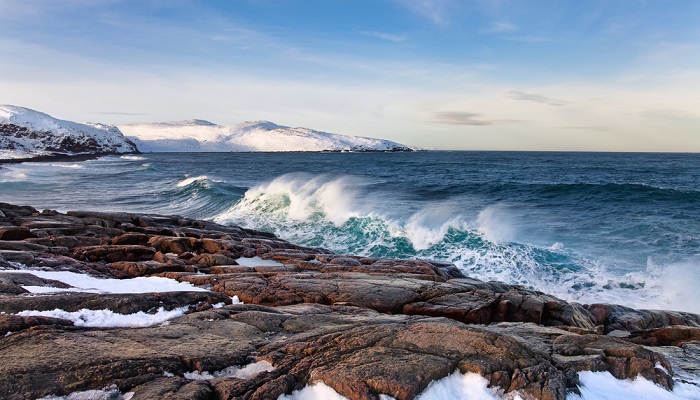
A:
(347, 215)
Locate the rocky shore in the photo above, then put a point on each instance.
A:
(362, 326)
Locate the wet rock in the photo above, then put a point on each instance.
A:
(27, 279)
(674, 335)
(15, 323)
(23, 257)
(11, 210)
(616, 317)
(114, 253)
(133, 269)
(125, 303)
(364, 326)
(174, 388)
(21, 246)
(14, 233)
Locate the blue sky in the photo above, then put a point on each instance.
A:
(616, 75)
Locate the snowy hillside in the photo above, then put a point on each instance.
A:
(204, 136)
(25, 133)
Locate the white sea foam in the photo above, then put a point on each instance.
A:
(604, 386)
(457, 386)
(676, 283)
(132, 158)
(300, 197)
(452, 387)
(12, 175)
(189, 181)
(460, 386)
(316, 391)
(241, 372)
(108, 393)
(70, 166)
(109, 319)
(338, 214)
(557, 246)
(429, 226)
(90, 284)
(494, 222)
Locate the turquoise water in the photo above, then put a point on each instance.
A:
(590, 227)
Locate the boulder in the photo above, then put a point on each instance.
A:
(14, 233)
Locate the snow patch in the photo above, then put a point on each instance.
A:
(241, 372)
(256, 262)
(90, 284)
(109, 319)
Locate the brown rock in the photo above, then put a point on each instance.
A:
(114, 253)
(133, 269)
(11, 210)
(174, 388)
(132, 239)
(14, 233)
(21, 246)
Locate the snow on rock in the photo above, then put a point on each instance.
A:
(25, 133)
(257, 136)
(110, 319)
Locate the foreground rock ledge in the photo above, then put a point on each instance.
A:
(363, 326)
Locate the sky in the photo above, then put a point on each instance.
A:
(571, 75)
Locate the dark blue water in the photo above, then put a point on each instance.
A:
(591, 227)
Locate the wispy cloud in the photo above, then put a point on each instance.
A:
(117, 113)
(594, 128)
(437, 11)
(531, 39)
(460, 118)
(500, 27)
(668, 115)
(389, 37)
(538, 98)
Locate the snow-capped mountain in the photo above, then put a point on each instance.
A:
(25, 133)
(203, 136)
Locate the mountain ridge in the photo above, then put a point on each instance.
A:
(247, 136)
(27, 134)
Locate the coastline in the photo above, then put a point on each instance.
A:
(61, 157)
(363, 326)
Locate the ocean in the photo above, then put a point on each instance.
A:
(588, 227)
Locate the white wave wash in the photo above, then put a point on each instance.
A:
(301, 197)
(91, 284)
(335, 213)
(604, 386)
(428, 226)
(109, 393)
(109, 319)
(235, 371)
(190, 180)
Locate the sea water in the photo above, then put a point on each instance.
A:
(589, 227)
